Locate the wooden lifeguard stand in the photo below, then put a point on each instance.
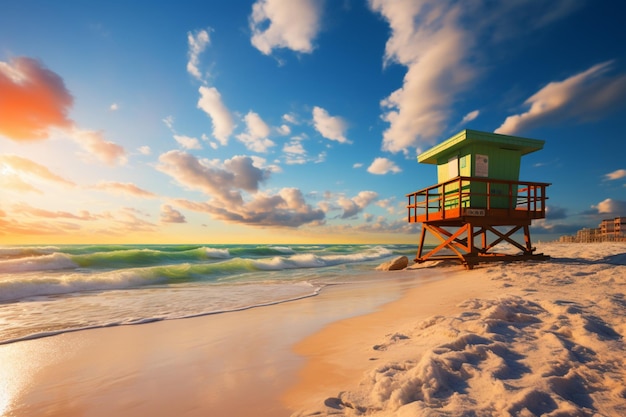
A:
(479, 201)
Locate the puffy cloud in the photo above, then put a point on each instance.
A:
(616, 175)
(610, 206)
(211, 103)
(170, 215)
(429, 40)
(283, 130)
(330, 127)
(95, 143)
(389, 204)
(353, 206)
(11, 164)
(294, 152)
(433, 40)
(197, 42)
(221, 182)
(382, 166)
(255, 137)
(114, 107)
(125, 188)
(290, 118)
(291, 24)
(144, 150)
(583, 96)
(287, 208)
(294, 147)
(188, 142)
(33, 100)
(224, 182)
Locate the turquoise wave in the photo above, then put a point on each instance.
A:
(50, 270)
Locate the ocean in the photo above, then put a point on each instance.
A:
(47, 290)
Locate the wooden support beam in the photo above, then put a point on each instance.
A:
(449, 243)
(505, 237)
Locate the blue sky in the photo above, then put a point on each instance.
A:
(294, 121)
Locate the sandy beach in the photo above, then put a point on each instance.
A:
(519, 339)
(542, 338)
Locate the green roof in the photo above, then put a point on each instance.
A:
(467, 137)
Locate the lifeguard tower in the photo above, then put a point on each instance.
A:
(479, 201)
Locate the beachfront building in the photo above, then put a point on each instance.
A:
(478, 202)
(609, 230)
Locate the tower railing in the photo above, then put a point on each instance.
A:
(477, 196)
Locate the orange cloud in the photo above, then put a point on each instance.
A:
(16, 163)
(125, 188)
(33, 99)
(30, 211)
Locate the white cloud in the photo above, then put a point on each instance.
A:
(188, 142)
(429, 41)
(353, 206)
(290, 118)
(197, 42)
(330, 127)
(225, 183)
(256, 136)
(382, 166)
(470, 116)
(114, 107)
(211, 103)
(295, 154)
(444, 54)
(219, 181)
(144, 150)
(358, 165)
(291, 24)
(283, 130)
(616, 175)
(583, 96)
(294, 147)
(610, 206)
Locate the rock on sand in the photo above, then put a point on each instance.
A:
(395, 264)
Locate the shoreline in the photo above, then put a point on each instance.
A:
(338, 354)
(236, 363)
(526, 338)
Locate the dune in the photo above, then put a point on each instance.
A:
(519, 339)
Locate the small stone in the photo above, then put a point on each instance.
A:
(396, 264)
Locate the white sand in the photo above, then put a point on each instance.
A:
(518, 339)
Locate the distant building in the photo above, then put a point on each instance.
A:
(610, 230)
